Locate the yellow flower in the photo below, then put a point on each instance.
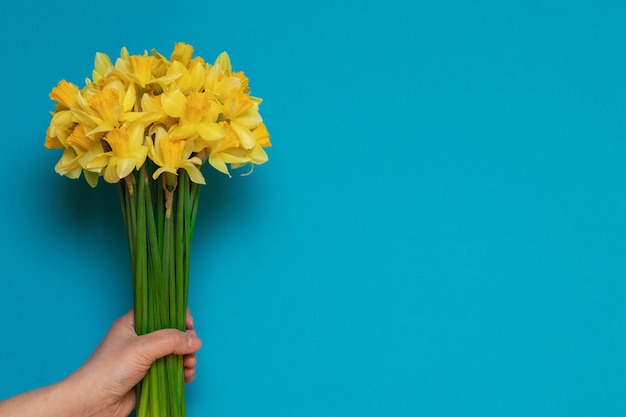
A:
(52, 142)
(101, 112)
(106, 105)
(127, 153)
(243, 114)
(229, 151)
(243, 81)
(102, 68)
(80, 141)
(257, 155)
(66, 94)
(109, 108)
(182, 52)
(197, 115)
(152, 105)
(218, 78)
(80, 150)
(223, 63)
(61, 126)
(68, 164)
(172, 154)
(180, 58)
(262, 136)
(226, 151)
(188, 79)
(142, 68)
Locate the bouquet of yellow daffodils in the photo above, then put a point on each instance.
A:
(149, 124)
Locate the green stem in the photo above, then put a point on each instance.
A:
(181, 249)
(159, 217)
(142, 310)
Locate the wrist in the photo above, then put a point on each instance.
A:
(55, 400)
(74, 397)
(81, 396)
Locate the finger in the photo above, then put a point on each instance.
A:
(190, 375)
(189, 320)
(190, 361)
(164, 342)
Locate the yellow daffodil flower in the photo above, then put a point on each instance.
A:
(182, 53)
(110, 108)
(128, 152)
(229, 151)
(61, 126)
(226, 151)
(180, 56)
(102, 68)
(172, 154)
(66, 94)
(101, 112)
(187, 80)
(262, 136)
(80, 150)
(243, 114)
(68, 165)
(197, 115)
(218, 78)
(52, 142)
(143, 70)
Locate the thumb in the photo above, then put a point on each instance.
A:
(164, 342)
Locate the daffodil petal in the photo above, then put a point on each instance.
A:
(125, 166)
(194, 173)
(245, 136)
(173, 103)
(92, 178)
(258, 155)
(250, 119)
(211, 131)
(217, 163)
(161, 170)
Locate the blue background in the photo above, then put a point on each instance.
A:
(440, 230)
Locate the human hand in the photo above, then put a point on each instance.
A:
(107, 380)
